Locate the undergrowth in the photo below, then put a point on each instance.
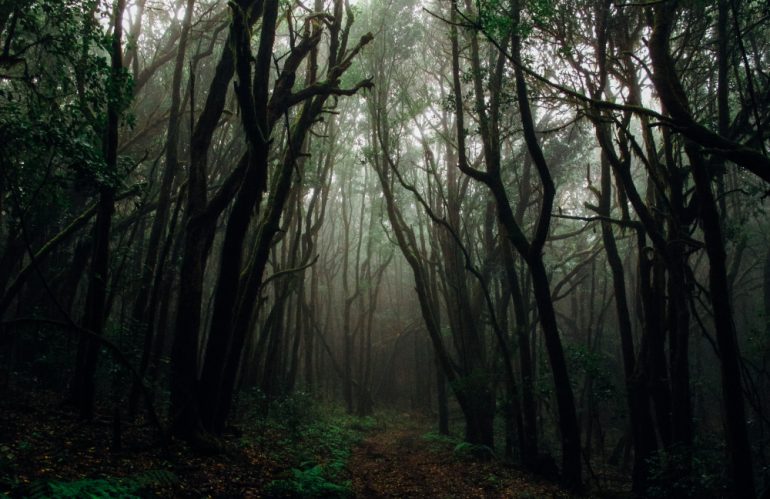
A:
(437, 442)
(461, 450)
(702, 475)
(147, 484)
(314, 441)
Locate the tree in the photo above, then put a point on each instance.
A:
(236, 297)
(530, 251)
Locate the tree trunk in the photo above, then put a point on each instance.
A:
(95, 313)
(741, 470)
(528, 436)
(140, 316)
(199, 231)
(642, 428)
(674, 98)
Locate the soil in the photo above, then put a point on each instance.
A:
(42, 442)
(402, 462)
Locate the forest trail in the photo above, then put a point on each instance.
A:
(400, 463)
(405, 462)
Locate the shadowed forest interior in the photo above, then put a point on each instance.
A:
(384, 248)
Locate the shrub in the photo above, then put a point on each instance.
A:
(706, 477)
(439, 442)
(469, 451)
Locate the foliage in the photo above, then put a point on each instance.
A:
(7, 466)
(439, 439)
(81, 488)
(294, 412)
(308, 483)
(53, 101)
(461, 450)
(471, 382)
(493, 481)
(706, 477)
(595, 365)
(468, 451)
(314, 440)
(140, 485)
(495, 17)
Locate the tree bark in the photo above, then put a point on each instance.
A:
(83, 384)
(151, 266)
(531, 251)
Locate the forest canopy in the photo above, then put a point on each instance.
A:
(538, 223)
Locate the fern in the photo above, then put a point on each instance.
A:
(39, 489)
(438, 438)
(150, 479)
(308, 483)
(467, 451)
(96, 489)
(133, 487)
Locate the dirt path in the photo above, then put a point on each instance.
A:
(400, 462)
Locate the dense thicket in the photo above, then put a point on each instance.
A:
(545, 218)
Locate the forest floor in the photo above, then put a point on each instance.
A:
(45, 451)
(404, 461)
